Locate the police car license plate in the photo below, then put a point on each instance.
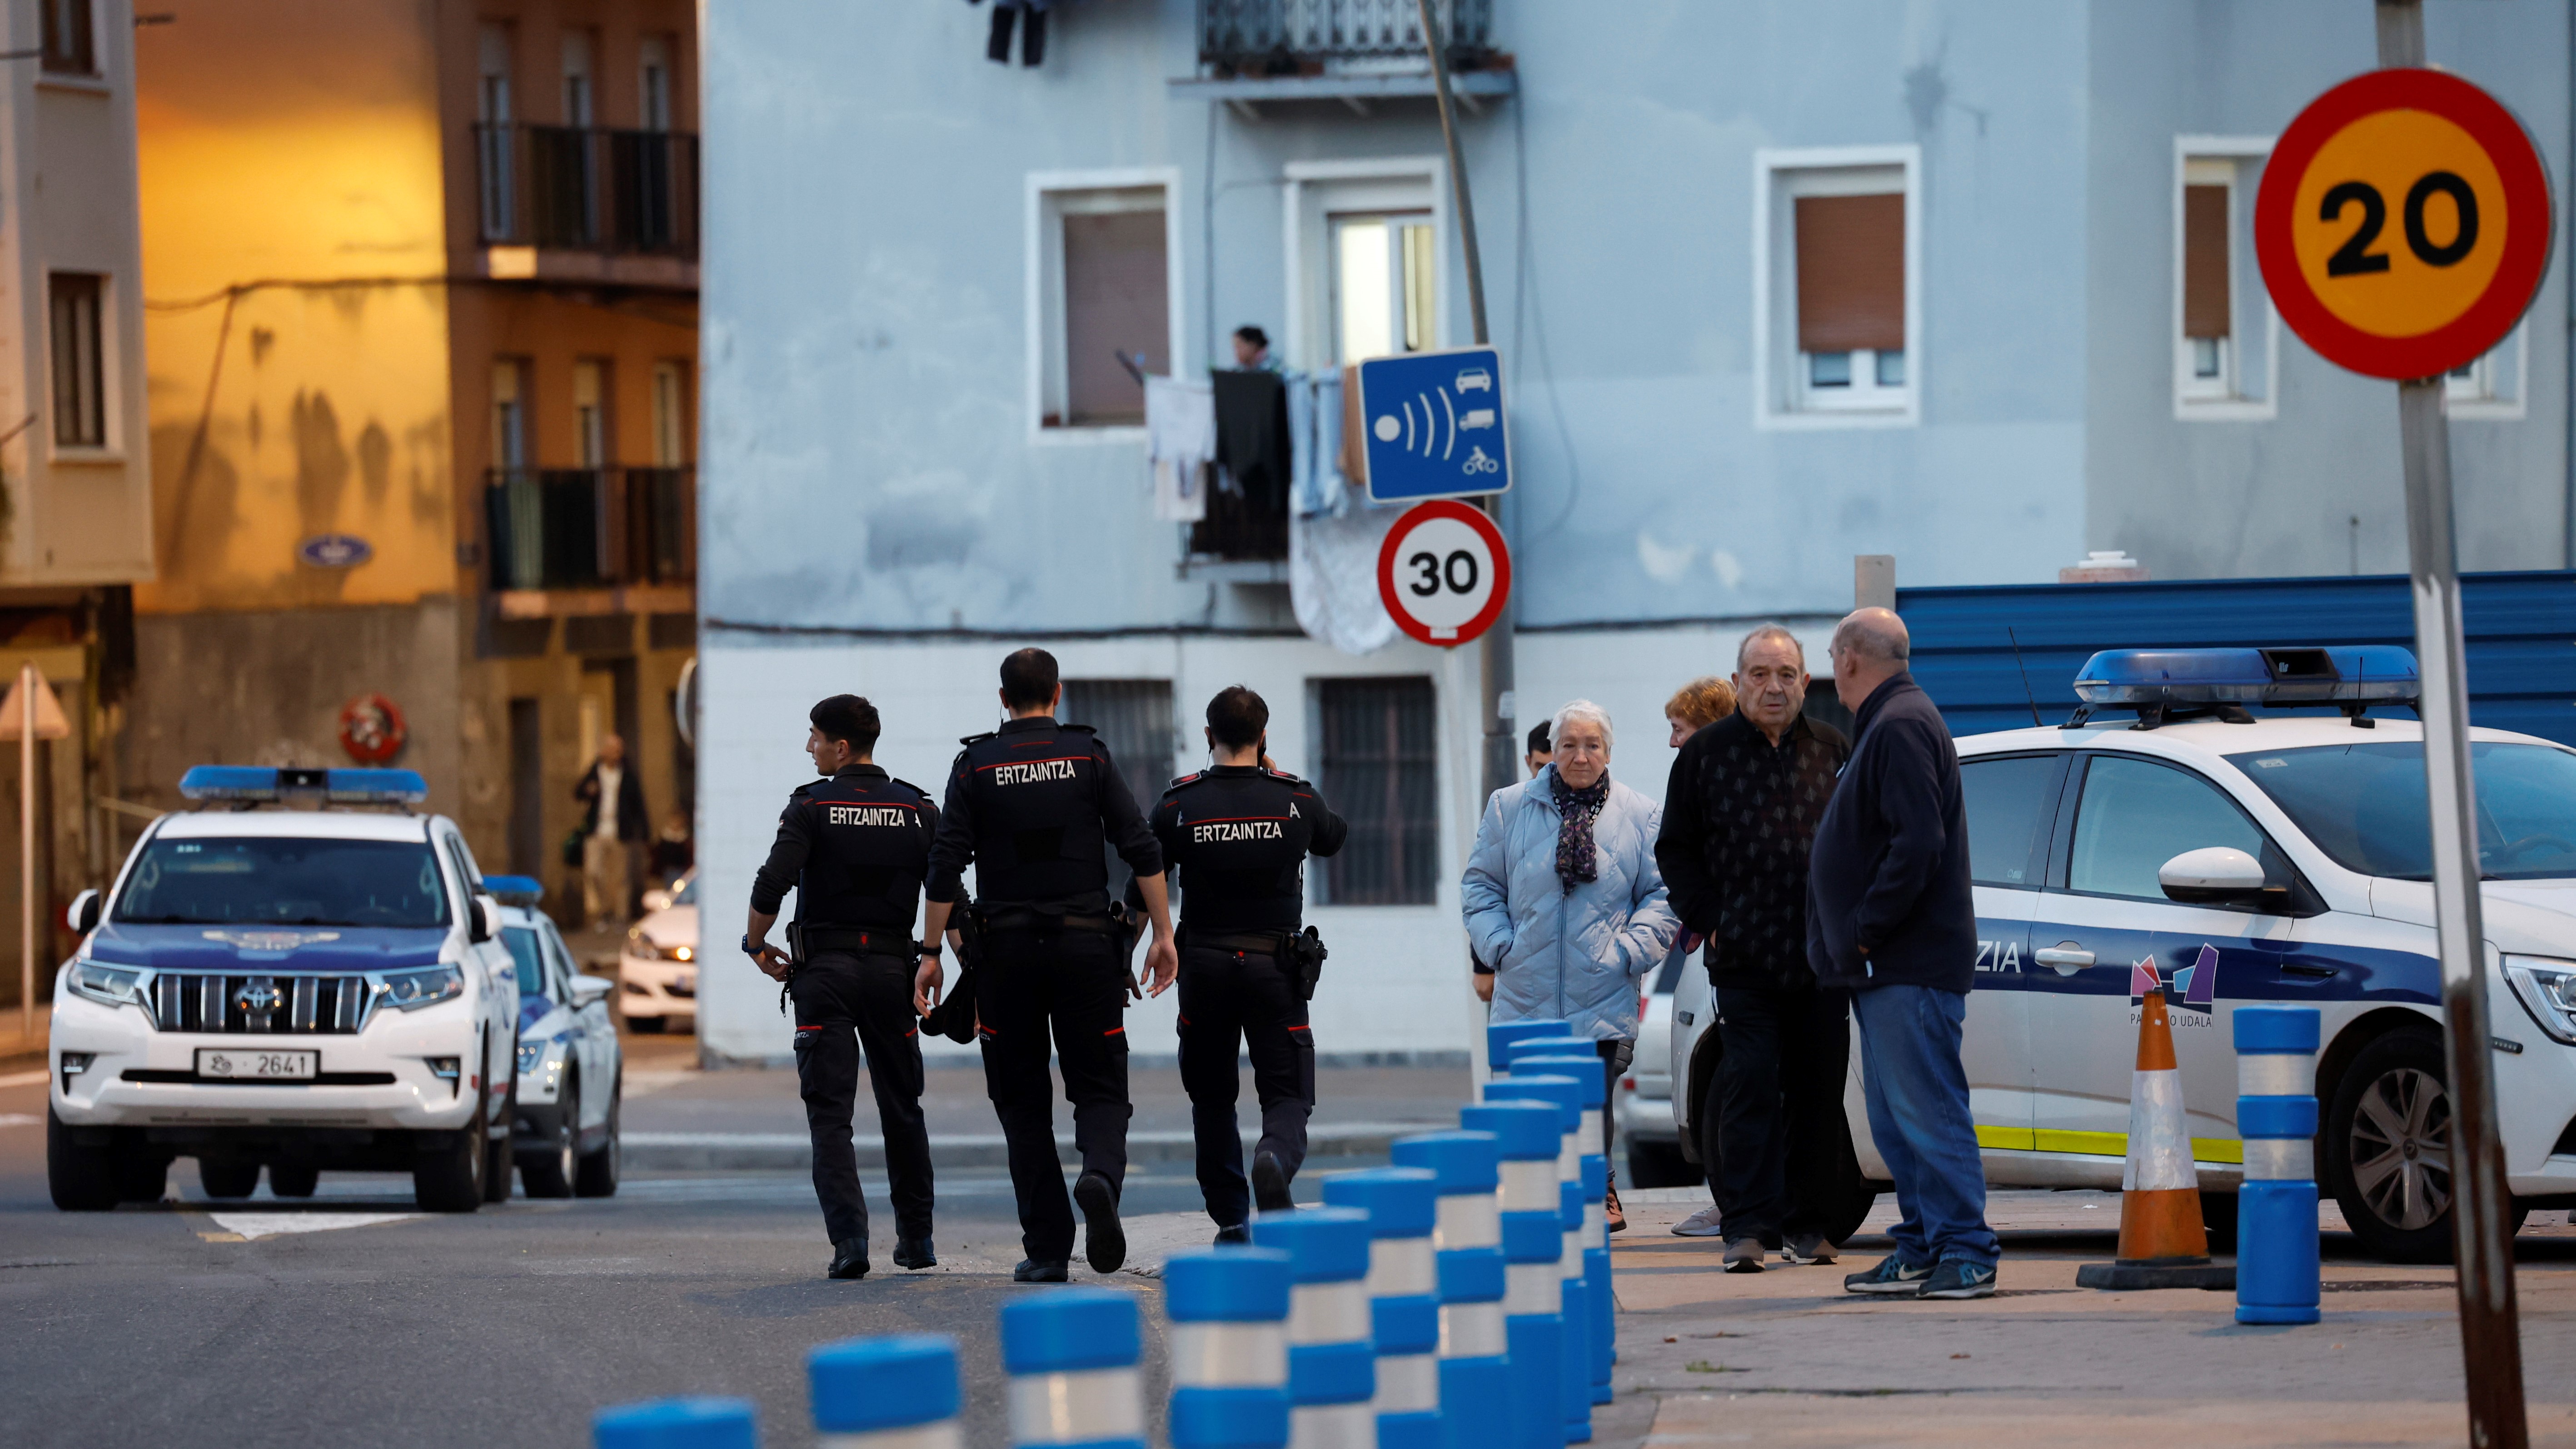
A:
(257, 1066)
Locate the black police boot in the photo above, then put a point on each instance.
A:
(1104, 1242)
(1270, 1185)
(850, 1258)
(1233, 1237)
(1033, 1271)
(914, 1252)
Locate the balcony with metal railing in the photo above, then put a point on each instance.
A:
(572, 529)
(1346, 51)
(588, 204)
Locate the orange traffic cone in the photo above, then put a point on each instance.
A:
(2162, 1242)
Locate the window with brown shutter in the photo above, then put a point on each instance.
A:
(1851, 273)
(1116, 304)
(2206, 311)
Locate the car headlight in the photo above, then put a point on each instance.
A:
(2548, 991)
(106, 984)
(413, 989)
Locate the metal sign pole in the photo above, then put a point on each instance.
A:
(26, 853)
(2490, 1333)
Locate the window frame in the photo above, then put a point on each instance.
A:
(2243, 394)
(106, 396)
(2035, 866)
(2498, 384)
(2302, 898)
(1782, 398)
(1043, 300)
(1320, 884)
(80, 59)
(1319, 191)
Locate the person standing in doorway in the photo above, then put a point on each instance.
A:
(1034, 807)
(1891, 918)
(1740, 814)
(613, 838)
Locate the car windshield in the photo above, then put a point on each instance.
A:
(687, 894)
(524, 957)
(2363, 804)
(284, 881)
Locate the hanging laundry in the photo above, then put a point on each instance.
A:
(1180, 442)
(1332, 576)
(1032, 18)
(1315, 435)
(1252, 437)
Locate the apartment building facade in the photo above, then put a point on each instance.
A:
(1774, 284)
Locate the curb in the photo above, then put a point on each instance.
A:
(794, 1152)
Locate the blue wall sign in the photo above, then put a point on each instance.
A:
(335, 551)
(1433, 423)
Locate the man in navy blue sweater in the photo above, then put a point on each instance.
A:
(1891, 919)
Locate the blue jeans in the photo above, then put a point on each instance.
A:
(1918, 1116)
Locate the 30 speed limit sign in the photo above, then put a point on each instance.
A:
(2404, 223)
(1444, 572)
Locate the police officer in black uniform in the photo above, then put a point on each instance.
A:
(1031, 806)
(1238, 835)
(856, 847)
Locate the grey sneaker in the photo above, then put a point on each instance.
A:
(1807, 1248)
(1703, 1224)
(1959, 1278)
(1744, 1255)
(1891, 1278)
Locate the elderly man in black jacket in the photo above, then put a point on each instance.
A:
(1890, 918)
(1739, 813)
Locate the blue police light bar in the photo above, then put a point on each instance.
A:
(339, 787)
(514, 890)
(2353, 674)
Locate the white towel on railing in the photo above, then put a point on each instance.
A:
(1180, 440)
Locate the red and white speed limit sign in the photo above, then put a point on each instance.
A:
(1444, 572)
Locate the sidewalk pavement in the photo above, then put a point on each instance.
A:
(1786, 1358)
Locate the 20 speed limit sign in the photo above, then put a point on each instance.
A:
(2404, 223)
(1444, 572)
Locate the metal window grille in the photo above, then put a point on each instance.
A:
(1283, 36)
(1134, 718)
(1381, 770)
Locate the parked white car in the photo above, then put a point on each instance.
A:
(1642, 1109)
(294, 990)
(657, 969)
(572, 1071)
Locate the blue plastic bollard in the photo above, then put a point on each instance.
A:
(1332, 1368)
(1229, 1344)
(1564, 1095)
(1594, 1166)
(1501, 1036)
(1404, 1297)
(2276, 1207)
(1071, 1354)
(1533, 1299)
(878, 1393)
(676, 1424)
(1467, 1256)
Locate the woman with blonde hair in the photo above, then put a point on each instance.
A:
(1697, 705)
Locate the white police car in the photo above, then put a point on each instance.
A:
(295, 989)
(2236, 859)
(572, 1072)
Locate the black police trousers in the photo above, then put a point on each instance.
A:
(841, 996)
(1071, 984)
(1229, 997)
(1781, 1132)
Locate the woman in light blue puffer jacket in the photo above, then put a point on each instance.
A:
(1563, 898)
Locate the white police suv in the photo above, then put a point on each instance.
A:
(572, 1072)
(2166, 834)
(290, 989)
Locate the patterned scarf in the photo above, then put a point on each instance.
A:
(1578, 808)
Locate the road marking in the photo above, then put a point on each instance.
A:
(249, 1227)
(26, 1079)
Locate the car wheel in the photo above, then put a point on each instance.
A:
(142, 1175)
(1658, 1164)
(1853, 1194)
(293, 1179)
(227, 1177)
(596, 1173)
(449, 1179)
(548, 1171)
(2218, 1215)
(81, 1178)
(644, 1025)
(2388, 1149)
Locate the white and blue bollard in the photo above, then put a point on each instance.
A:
(2276, 1206)
(1071, 1355)
(898, 1392)
(1229, 1342)
(1404, 1297)
(1533, 1297)
(676, 1424)
(1549, 1088)
(1332, 1365)
(1467, 1255)
(1594, 1166)
(1503, 1037)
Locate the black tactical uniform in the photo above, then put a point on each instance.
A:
(1034, 807)
(1239, 836)
(857, 847)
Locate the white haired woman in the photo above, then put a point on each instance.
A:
(1564, 899)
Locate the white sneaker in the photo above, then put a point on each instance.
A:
(1701, 1224)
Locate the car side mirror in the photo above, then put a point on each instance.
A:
(587, 989)
(2219, 875)
(486, 921)
(83, 915)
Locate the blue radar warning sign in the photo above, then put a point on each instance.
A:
(1433, 423)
